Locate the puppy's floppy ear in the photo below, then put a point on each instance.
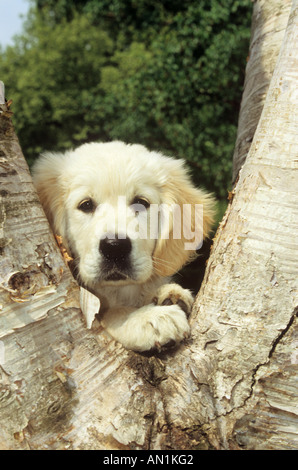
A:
(196, 213)
(48, 179)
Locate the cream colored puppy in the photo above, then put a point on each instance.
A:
(130, 218)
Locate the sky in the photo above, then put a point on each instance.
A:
(10, 21)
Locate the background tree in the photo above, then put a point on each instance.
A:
(165, 74)
(53, 74)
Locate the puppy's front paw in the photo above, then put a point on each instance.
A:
(162, 328)
(173, 294)
(152, 327)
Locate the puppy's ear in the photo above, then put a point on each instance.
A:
(189, 221)
(48, 177)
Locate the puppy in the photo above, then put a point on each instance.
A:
(120, 211)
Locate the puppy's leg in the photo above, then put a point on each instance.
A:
(170, 294)
(149, 327)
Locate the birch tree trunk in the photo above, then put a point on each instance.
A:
(232, 386)
(246, 311)
(269, 22)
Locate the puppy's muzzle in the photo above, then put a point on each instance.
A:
(115, 249)
(116, 254)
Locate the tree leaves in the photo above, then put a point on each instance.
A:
(165, 74)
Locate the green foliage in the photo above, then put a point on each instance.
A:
(184, 98)
(166, 74)
(54, 80)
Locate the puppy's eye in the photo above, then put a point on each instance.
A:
(141, 202)
(87, 206)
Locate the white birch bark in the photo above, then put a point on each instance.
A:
(269, 22)
(246, 323)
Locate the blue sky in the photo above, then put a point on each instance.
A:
(10, 21)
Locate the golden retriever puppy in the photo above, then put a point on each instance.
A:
(130, 219)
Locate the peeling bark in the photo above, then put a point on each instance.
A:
(35, 287)
(231, 386)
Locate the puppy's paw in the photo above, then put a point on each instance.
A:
(149, 328)
(173, 294)
(162, 327)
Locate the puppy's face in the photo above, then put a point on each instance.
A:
(107, 210)
(105, 200)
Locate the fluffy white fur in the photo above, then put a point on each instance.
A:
(141, 309)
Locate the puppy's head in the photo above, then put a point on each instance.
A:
(125, 214)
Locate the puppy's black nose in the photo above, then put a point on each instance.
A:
(115, 249)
